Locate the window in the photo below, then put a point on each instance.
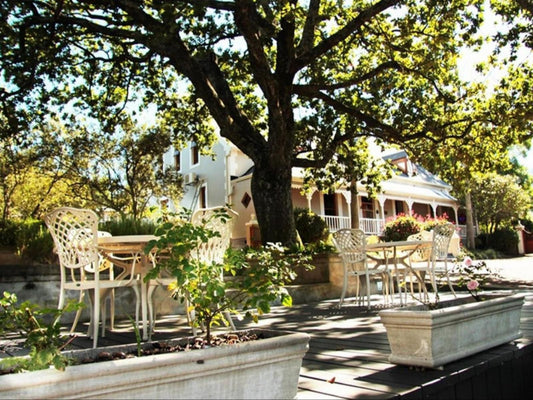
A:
(367, 207)
(195, 154)
(202, 198)
(177, 161)
(398, 205)
(245, 201)
(330, 207)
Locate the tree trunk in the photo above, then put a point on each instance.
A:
(470, 234)
(354, 211)
(271, 191)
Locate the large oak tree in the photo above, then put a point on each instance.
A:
(287, 82)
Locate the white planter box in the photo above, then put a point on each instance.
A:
(266, 368)
(432, 338)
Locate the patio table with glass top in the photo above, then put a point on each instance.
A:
(127, 252)
(397, 254)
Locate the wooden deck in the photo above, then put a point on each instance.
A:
(348, 356)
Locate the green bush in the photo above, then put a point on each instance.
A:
(8, 233)
(431, 223)
(29, 238)
(311, 227)
(504, 240)
(37, 244)
(128, 226)
(401, 228)
(485, 254)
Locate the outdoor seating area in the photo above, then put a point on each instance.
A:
(88, 257)
(407, 262)
(99, 263)
(349, 354)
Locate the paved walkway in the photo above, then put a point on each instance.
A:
(514, 269)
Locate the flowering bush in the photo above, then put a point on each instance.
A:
(401, 227)
(429, 223)
(473, 276)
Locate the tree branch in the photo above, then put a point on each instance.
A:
(349, 29)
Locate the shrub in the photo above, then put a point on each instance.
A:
(431, 223)
(311, 227)
(401, 228)
(259, 275)
(39, 246)
(29, 238)
(8, 233)
(504, 240)
(128, 226)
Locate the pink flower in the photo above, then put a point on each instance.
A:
(467, 262)
(472, 285)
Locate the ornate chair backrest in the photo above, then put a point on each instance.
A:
(423, 254)
(75, 236)
(218, 219)
(442, 234)
(351, 245)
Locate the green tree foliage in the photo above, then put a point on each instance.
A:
(83, 168)
(288, 82)
(124, 171)
(498, 199)
(352, 164)
(311, 227)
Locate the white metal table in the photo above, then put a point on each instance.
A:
(397, 253)
(127, 252)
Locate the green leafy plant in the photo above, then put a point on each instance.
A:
(429, 222)
(311, 227)
(401, 227)
(128, 226)
(41, 330)
(248, 281)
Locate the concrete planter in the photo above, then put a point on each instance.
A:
(462, 327)
(266, 368)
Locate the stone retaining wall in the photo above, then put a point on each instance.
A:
(40, 284)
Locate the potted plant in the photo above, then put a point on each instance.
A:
(238, 368)
(438, 332)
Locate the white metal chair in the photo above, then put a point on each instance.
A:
(75, 235)
(351, 245)
(442, 234)
(104, 265)
(420, 264)
(210, 252)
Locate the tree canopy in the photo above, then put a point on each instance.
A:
(288, 82)
(498, 199)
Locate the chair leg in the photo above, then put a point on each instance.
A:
(358, 289)
(78, 313)
(112, 310)
(344, 285)
(151, 315)
(448, 278)
(230, 320)
(103, 308)
(191, 315)
(96, 317)
(367, 291)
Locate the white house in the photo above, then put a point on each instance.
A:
(225, 179)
